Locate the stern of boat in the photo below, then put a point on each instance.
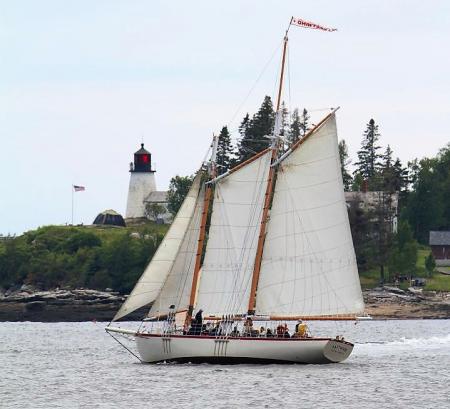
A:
(337, 350)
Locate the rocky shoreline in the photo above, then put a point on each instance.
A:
(28, 304)
(60, 305)
(395, 303)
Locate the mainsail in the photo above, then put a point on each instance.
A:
(233, 236)
(308, 265)
(155, 275)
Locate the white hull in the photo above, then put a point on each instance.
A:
(179, 348)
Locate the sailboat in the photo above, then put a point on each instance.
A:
(268, 241)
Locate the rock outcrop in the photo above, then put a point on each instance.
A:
(28, 304)
(395, 303)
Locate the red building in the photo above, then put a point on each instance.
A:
(440, 247)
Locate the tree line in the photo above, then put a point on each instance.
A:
(57, 256)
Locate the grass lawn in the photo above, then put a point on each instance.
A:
(438, 282)
(369, 279)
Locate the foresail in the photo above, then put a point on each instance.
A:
(177, 287)
(232, 240)
(308, 265)
(154, 276)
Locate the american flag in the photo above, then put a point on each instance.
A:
(78, 188)
(308, 24)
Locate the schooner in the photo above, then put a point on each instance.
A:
(268, 241)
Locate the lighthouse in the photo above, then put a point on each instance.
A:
(142, 183)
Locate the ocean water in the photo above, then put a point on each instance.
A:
(395, 364)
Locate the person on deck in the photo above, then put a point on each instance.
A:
(301, 329)
(286, 332)
(280, 331)
(196, 324)
(248, 327)
(199, 317)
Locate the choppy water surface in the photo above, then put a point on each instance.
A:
(395, 364)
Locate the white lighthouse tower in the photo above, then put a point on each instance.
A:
(142, 183)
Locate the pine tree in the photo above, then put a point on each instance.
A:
(401, 176)
(284, 121)
(368, 157)
(345, 161)
(387, 158)
(304, 123)
(295, 130)
(225, 152)
(387, 171)
(254, 132)
(243, 127)
(298, 127)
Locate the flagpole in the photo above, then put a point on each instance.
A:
(72, 203)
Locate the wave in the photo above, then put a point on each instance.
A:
(418, 343)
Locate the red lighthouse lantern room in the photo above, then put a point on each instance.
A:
(142, 161)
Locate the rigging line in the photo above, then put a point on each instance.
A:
(128, 349)
(238, 110)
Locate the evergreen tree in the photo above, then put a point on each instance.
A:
(243, 127)
(387, 171)
(295, 129)
(255, 132)
(224, 158)
(400, 176)
(304, 123)
(345, 161)
(358, 182)
(368, 157)
(284, 120)
(387, 158)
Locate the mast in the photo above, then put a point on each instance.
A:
(269, 189)
(202, 233)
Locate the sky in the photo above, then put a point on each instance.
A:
(83, 83)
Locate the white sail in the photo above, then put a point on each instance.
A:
(151, 282)
(233, 237)
(308, 266)
(177, 287)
